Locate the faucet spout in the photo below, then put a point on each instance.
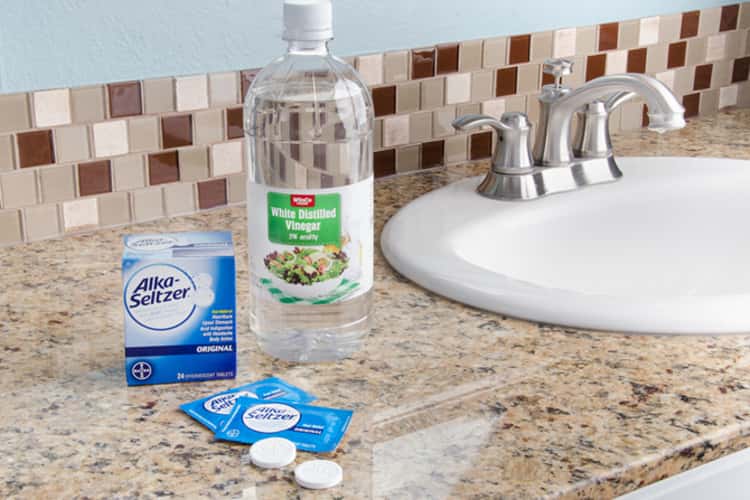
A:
(664, 111)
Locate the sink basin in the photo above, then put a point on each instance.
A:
(665, 250)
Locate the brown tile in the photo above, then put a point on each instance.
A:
(447, 58)
(94, 178)
(691, 102)
(637, 61)
(422, 63)
(481, 146)
(729, 16)
(741, 69)
(506, 81)
(608, 34)
(676, 55)
(644, 117)
(35, 148)
(384, 162)
(520, 49)
(384, 100)
(125, 99)
(234, 123)
(547, 79)
(212, 193)
(163, 168)
(433, 153)
(690, 21)
(176, 131)
(246, 78)
(595, 66)
(703, 77)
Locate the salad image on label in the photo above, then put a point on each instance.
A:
(307, 266)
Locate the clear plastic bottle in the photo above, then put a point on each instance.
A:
(308, 126)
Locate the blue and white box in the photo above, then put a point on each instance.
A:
(180, 307)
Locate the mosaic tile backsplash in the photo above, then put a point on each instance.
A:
(78, 159)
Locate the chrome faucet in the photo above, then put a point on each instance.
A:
(558, 165)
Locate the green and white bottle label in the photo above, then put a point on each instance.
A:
(311, 246)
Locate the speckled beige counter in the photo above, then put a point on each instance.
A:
(450, 402)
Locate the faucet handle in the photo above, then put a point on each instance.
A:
(558, 68)
(512, 152)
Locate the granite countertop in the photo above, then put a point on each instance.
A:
(450, 401)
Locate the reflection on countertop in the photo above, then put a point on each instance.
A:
(450, 402)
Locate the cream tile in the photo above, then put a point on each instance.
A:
(541, 46)
(728, 96)
(455, 149)
(18, 189)
(80, 215)
(696, 51)
(10, 227)
(420, 126)
(193, 163)
(377, 133)
(683, 81)
(226, 158)
(709, 21)
(669, 28)
(648, 33)
(370, 67)
(407, 159)
(191, 92)
(441, 122)
(179, 198)
(722, 73)
(564, 42)
(158, 95)
(147, 204)
(481, 85)
(72, 143)
(396, 66)
(57, 183)
(528, 78)
(144, 133)
(223, 88)
(432, 92)
(617, 62)
(41, 222)
(533, 110)
(495, 108)
(52, 107)
(716, 46)
(586, 42)
(237, 188)
(114, 209)
(395, 130)
(470, 56)
(578, 76)
(743, 94)
(407, 97)
(128, 173)
(632, 115)
(667, 78)
(494, 53)
(468, 109)
(14, 113)
(656, 59)
(209, 126)
(744, 20)
(110, 138)
(734, 44)
(629, 33)
(516, 103)
(87, 104)
(709, 103)
(457, 88)
(7, 153)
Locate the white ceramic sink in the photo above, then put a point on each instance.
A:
(666, 249)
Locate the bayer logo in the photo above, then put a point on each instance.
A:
(141, 370)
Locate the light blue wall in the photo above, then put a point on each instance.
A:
(54, 43)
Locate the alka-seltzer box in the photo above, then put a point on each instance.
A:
(178, 291)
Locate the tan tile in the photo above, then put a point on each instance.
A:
(455, 149)
(110, 138)
(564, 42)
(407, 159)
(370, 68)
(236, 188)
(52, 107)
(193, 163)
(457, 88)
(158, 95)
(87, 104)
(669, 28)
(396, 66)
(407, 97)
(468, 109)
(541, 46)
(632, 115)
(41, 222)
(147, 204)
(10, 227)
(586, 41)
(433, 91)
(470, 56)
(667, 78)
(14, 112)
(744, 20)
(72, 143)
(18, 189)
(114, 209)
(528, 78)
(709, 103)
(441, 122)
(80, 215)
(57, 183)
(578, 76)
(191, 92)
(516, 103)
(223, 88)
(735, 44)
(494, 108)
(722, 73)
(395, 130)
(226, 158)
(209, 126)
(420, 126)
(656, 59)
(179, 198)
(709, 21)
(377, 133)
(696, 51)
(482, 85)
(128, 173)
(727, 96)
(143, 133)
(494, 54)
(533, 110)
(683, 81)
(7, 153)
(743, 94)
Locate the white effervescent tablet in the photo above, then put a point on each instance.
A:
(273, 453)
(318, 474)
(203, 280)
(203, 297)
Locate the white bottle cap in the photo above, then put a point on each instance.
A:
(308, 20)
(318, 474)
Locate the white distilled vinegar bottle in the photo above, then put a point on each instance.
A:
(308, 126)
